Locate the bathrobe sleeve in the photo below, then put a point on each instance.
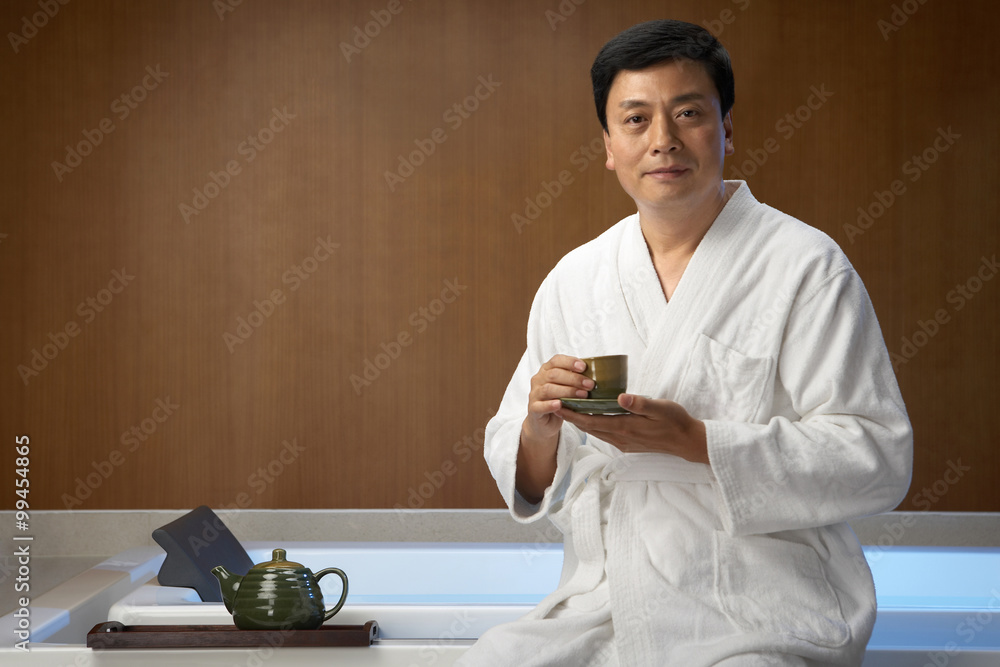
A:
(849, 452)
(504, 431)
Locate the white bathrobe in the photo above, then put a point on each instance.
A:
(771, 340)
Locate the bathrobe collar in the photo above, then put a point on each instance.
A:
(656, 320)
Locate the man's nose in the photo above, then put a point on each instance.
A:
(663, 137)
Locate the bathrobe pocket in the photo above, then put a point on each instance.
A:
(721, 383)
(772, 586)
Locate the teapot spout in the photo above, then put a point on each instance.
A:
(229, 583)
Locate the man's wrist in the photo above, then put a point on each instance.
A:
(536, 466)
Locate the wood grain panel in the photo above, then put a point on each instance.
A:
(424, 280)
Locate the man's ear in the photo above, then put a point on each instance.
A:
(727, 125)
(610, 162)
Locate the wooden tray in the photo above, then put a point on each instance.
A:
(114, 635)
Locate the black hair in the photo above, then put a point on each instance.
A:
(654, 42)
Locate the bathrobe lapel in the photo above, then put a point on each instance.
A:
(669, 329)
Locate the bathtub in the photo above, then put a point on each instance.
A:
(416, 591)
(937, 605)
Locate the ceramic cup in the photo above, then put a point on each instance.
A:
(610, 375)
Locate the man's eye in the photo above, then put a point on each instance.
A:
(634, 119)
(689, 113)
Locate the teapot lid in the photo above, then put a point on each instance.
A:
(277, 560)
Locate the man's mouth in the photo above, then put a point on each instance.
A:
(667, 173)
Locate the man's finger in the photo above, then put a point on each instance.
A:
(545, 406)
(565, 361)
(634, 404)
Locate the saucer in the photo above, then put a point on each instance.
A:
(594, 406)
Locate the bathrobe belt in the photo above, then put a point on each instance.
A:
(654, 467)
(595, 474)
(594, 477)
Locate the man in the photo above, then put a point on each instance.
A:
(707, 527)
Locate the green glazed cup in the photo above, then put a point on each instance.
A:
(610, 375)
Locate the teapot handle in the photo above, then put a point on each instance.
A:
(343, 596)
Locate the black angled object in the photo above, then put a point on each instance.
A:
(195, 543)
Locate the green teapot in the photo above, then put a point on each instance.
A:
(277, 595)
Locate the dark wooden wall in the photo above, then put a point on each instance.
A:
(231, 336)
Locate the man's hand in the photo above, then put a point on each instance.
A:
(654, 425)
(559, 377)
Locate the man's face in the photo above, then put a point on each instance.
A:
(666, 137)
